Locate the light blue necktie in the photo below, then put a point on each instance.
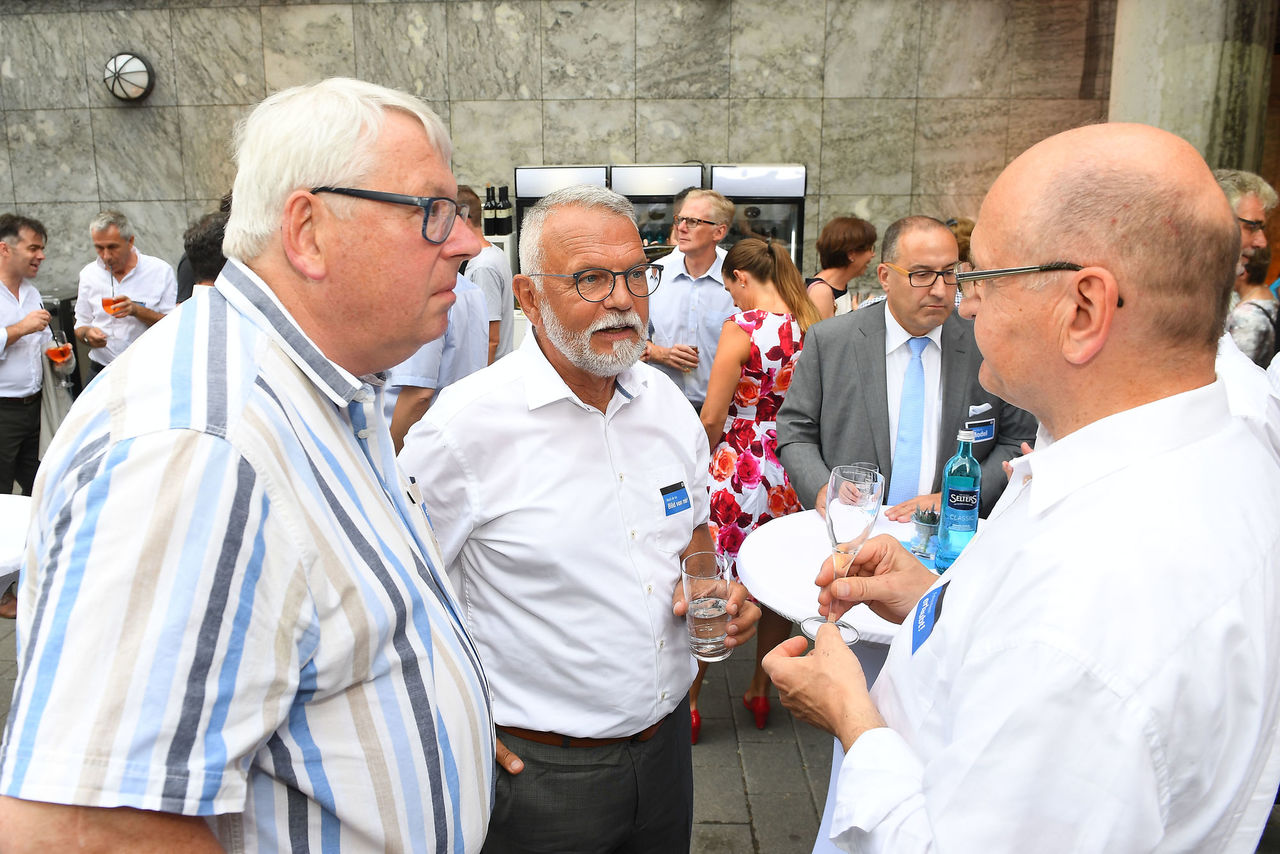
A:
(905, 476)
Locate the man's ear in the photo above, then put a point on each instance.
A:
(1093, 297)
(882, 273)
(526, 292)
(301, 233)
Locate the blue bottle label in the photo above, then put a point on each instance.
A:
(963, 500)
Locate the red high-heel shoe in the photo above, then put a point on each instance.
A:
(759, 707)
(695, 726)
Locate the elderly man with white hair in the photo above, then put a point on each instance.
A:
(565, 481)
(235, 625)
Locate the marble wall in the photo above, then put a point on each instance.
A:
(895, 106)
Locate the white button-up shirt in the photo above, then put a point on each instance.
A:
(1103, 668)
(552, 519)
(897, 357)
(20, 369)
(151, 284)
(685, 310)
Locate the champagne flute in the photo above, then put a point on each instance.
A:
(59, 352)
(853, 504)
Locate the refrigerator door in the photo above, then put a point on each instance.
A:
(768, 200)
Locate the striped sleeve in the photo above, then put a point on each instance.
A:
(165, 649)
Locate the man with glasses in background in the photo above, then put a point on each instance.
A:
(235, 622)
(691, 304)
(565, 482)
(894, 382)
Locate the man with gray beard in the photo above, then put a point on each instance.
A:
(565, 482)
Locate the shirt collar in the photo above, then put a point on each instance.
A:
(1063, 466)
(254, 298)
(895, 336)
(543, 385)
(714, 272)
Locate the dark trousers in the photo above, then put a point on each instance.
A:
(625, 798)
(19, 443)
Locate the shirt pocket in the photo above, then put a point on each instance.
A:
(668, 508)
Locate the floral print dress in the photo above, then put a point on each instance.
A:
(749, 486)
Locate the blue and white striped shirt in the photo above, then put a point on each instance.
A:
(236, 607)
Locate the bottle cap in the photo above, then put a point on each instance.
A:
(964, 436)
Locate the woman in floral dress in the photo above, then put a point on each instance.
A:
(749, 378)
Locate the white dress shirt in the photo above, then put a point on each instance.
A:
(897, 356)
(151, 284)
(20, 369)
(1251, 394)
(685, 310)
(1105, 673)
(553, 524)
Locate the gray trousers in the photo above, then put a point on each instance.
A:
(625, 798)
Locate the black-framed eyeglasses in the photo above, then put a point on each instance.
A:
(693, 221)
(968, 279)
(1253, 226)
(595, 284)
(926, 278)
(438, 212)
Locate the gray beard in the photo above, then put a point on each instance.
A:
(576, 347)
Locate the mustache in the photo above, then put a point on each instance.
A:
(616, 319)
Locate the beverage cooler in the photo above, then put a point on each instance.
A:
(768, 200)
(534, 182)
(651, 188)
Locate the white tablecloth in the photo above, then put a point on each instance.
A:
(779, 560)
(15, 513)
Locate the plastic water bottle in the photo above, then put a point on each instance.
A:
(961, 490)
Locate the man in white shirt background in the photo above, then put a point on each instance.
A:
(1105, 674)
(491, 273)
(565, 482)
(26, 331)
(139, 290)
(691, 305)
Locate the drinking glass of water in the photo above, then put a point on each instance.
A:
(853, 503)
(706, 588)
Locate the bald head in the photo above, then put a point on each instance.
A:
(1138, 201)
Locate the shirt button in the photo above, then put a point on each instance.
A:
(633, 533)
(662, 643)
(364, 434)
(621, 476)
(648, 588)
(664, 695)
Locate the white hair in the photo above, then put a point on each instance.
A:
(107, 219)
(321, 134)
(580, 196)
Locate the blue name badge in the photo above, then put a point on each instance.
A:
(928, 610)
(675, 498)
(983, 431)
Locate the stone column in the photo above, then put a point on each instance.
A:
(1197, 68)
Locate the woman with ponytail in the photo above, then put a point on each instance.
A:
(749, 378)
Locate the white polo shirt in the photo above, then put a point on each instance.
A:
(20, 369)
(561, 527)
(151, 284)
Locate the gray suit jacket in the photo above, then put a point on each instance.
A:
(837, 411)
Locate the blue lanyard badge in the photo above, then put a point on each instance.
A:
(928, 610)
(675, 498)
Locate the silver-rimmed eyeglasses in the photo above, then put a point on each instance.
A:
(439, 212)
(595, 284)
(967, 278)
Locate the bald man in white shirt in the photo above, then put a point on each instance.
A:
(1105, 674)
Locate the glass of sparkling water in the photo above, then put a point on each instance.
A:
(706, 589)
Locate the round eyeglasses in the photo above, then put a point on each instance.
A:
(595, 284)
(439, 212)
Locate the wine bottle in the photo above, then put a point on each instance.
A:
(503, 216)
(489, 211)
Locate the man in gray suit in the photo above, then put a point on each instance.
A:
(894, 382)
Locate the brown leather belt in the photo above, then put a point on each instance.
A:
(22, 401)
(555, 739)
